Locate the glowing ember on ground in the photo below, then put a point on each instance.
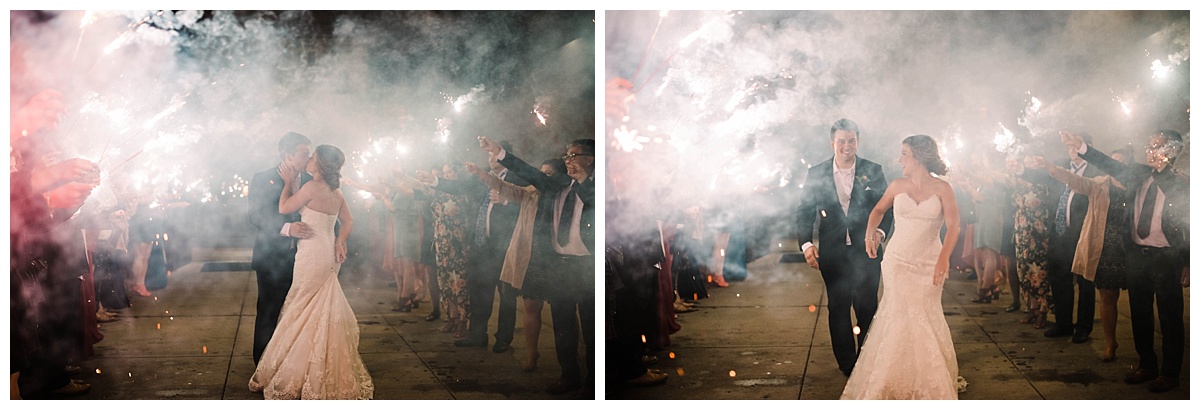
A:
(643, 338)
(97, 371)
(158, 326)
(671, 355)
(857, 330)
(679, 371)
(812, 308)
(732, 373)
(204, 349)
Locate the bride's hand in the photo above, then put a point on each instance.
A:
(872, 243)
(941, 271)
(339, 252)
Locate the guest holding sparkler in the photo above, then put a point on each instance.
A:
(562, 263)
(494, 222)
(45, 296)
(986, 188)
(1031, 241)
(1100, 254)
(450, 250)
(1064, 235)
(1157, 250)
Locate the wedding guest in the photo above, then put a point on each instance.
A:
(1100, 254)
(1157, 243)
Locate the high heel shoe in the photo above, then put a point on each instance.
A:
(983, 296)
(1029, 317)
(450, 325)
(461, 330)
(530, 362)
(403, 305)
(1110, 354)
(1041, 321)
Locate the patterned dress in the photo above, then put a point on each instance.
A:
(450, 248)
(1032, 241)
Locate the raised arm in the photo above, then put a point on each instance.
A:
(289, 203)
(941, 269)
(1077, 183)
(507, 190)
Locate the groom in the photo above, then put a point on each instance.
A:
(841, 192)
(274, 240)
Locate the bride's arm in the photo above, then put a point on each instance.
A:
(289, 203)
(885, 203)
(347, 223)
(950, 211)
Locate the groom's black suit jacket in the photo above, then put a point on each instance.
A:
(820, 208)
(272, 252)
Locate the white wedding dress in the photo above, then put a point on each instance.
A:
(313, 353)
(908, 353)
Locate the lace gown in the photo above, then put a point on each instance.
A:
(908, 353)
(313, 353)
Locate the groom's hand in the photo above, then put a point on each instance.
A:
(811, 256)
(300, 230)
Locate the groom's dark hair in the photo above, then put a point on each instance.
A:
(290, 141)
(844, 124)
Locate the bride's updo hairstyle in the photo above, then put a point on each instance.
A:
(329, 163)
(925, 150)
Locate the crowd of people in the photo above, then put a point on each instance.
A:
(115, 244)
(454, 238)
(1051, 235)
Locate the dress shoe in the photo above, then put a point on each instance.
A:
(1058, 332)
(72, 370)
(649, 360)
(1080, 338)
(1164, 384)
(437, 314)
(1140, 376)
(500, 347)
(76, 387)
(563, 386)
(1110, 353)
(649, 378)
(469, 342)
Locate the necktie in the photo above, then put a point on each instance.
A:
(565, 218)
(481, 221)
(1060, 216)
(1144, 219)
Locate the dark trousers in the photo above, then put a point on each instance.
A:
(634, 315)
(482, 288)
(1154, 275)
(850, 281)
(272, 290)
(574, 310)
(1062, 289)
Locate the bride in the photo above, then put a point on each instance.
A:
(313, 353)
(908, 353)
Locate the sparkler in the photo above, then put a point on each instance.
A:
(661, 15)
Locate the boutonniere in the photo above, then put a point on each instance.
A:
(863, 179)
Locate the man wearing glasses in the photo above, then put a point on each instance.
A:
(562, 265)
(1157, 251)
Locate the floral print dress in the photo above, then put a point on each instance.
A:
(450, 250)
(1032, 242)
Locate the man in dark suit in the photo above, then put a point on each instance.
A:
(275, 236)
(495, 221)
(841, 192)
(564, 243)
(1064, 236)
(1157, 251)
